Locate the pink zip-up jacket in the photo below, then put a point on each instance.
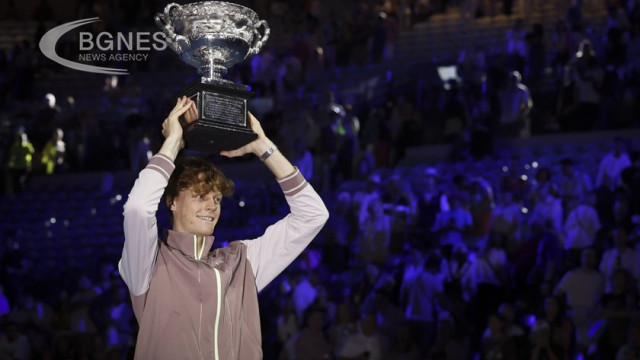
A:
(194, 304)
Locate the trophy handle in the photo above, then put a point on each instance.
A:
(176, 42)
(257, 44)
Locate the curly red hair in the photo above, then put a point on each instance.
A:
(198, 175)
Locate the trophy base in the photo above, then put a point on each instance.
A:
(222, 122)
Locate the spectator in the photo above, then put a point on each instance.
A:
(498, 345)
(401, 207)
(630, 182)
(611, 165)
(19, 164)
(581, 226)
(344, 326)
(549, 259)
(311, 343)
(481, 206)
(617, 309)
(547, 209)
(303, 293)
(574, 183)
(375, 232)
(13, 344)
(631, 350)
(561, 330)
(619, 256)
(583, 288)
(450, 342)
(452, 225)
(515, 106)
(543, 348)
(430, 198)
(459, 277)
(53, 154)
(287, 321)
(403, 346)
(512, 329)
(507, 218)
(365, 342)
(492, 276)
(420, 291)
(585, 74)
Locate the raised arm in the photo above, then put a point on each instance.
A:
(283, 241)
(140, 224)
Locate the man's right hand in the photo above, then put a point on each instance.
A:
(172, 128)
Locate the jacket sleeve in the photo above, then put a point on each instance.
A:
(140, 224)
(283, 241)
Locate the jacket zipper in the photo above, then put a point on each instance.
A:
(198, 256)
(219, 305)
(195, 255)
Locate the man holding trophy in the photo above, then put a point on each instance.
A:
(189, 303)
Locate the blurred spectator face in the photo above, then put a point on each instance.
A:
(585, 49)
(514, 79)
(445, 328)
(460, 255)
(496, 240)
(369, 325)
(84, 283)
(551, 307)
(455, 203)
(618, 147)
(543, 175)
(588, 259)
(11, 331)
(621, 208)
(589, 199)
(620, 281)
(50, 100)
(508, 312)
(416, 256)
(620, 237)
(344, 314)
(541, 337)
(430, 182)
(496, 324)
(506, 197)
(316, 320)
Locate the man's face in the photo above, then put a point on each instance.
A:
(588, 258)
(194, 213)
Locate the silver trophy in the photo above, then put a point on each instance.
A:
(213, 36)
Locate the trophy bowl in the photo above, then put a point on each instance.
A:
(212, 36)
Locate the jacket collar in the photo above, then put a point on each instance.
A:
(186, 243)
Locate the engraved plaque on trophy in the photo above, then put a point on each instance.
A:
(213, 36)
